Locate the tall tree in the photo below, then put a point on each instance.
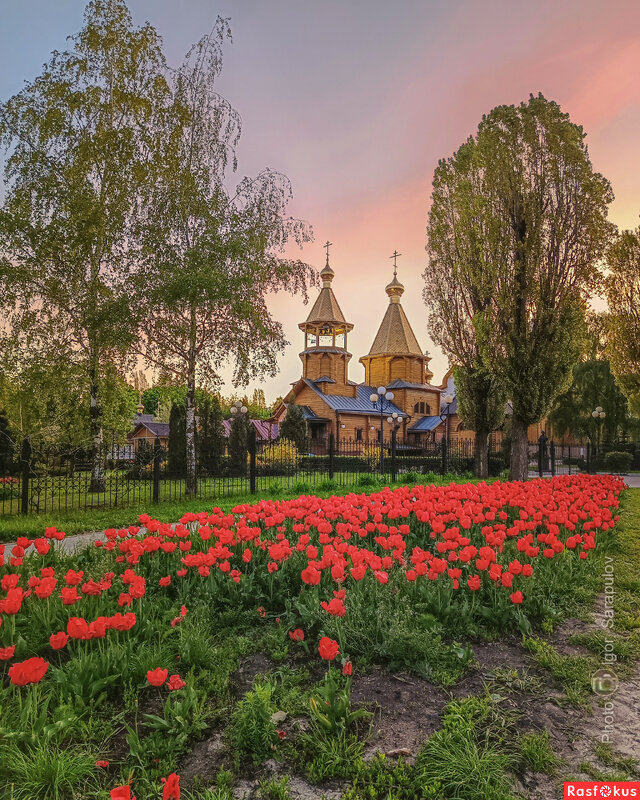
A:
(294, 427)
(458, 245)
(211, 439)
(77, 137)
(211, 256)
(543, 211)
(622, 286)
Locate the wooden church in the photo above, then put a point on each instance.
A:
(334, 404)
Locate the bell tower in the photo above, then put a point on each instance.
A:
(325, 359)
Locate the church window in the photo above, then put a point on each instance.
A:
(312, 339)
(340, 340)
(358, 434)
(421, 408)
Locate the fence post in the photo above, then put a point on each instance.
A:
(444, 455)
(394, 442)
(332, 452)
(540, 458)
(25, 459)
(588, 457)
(569, 459)
(252, 460)
(157, 449)
(552, 453)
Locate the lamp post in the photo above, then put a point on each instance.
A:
(598, 414)
(448, 399)
(384, 398)
(239, 412)
(238, 408)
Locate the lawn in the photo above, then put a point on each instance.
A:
(407, 643)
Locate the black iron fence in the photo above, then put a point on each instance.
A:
(56, 479)
(548, 458)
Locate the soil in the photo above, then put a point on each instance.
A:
(407, 709)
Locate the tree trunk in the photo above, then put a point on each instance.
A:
(519, 467)
(481, 460)
(192, 477)
(97, 483)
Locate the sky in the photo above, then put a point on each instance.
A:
(357, 100)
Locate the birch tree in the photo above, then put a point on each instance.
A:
(212, 255)
(78, 138)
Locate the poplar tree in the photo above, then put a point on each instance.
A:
(622, 288)
(537, 224)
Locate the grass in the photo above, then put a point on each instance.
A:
(537, 754)
(90, 520)
(573, 673)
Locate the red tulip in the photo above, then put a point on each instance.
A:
(6, 653)
(158, 676)
(58, 640)
(175, 682)
(30, 671)
(121, 793)
(171, 789)
(328, 648)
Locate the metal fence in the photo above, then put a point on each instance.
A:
(55, 479)
(41, 479)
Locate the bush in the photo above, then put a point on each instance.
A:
(370, 456)
(617, 461)
(278, 458)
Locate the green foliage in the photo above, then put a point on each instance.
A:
(238, 444)
(333, 756)
(331, 705)
(47, 773)
(78, 140)
(211, 439)
(294, 427)
(499, 221)
(615, 461)
(572, 672)
(622, 287)
(382, 779)
(143, 459)
(252, 732)
(274, 788)
(178, 440)
(593, 385)
(537, 753)
(468, 755)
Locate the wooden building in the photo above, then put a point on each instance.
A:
(335, 404)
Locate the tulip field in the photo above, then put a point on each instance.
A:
(119, 662)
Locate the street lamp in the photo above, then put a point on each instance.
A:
(238, 408)
(448, 399)
(384, 398)
(598, 414)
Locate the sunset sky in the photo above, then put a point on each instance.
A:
(356, 100)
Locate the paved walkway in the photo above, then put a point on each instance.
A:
(77, 541)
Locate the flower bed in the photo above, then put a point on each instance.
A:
(383, 577)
